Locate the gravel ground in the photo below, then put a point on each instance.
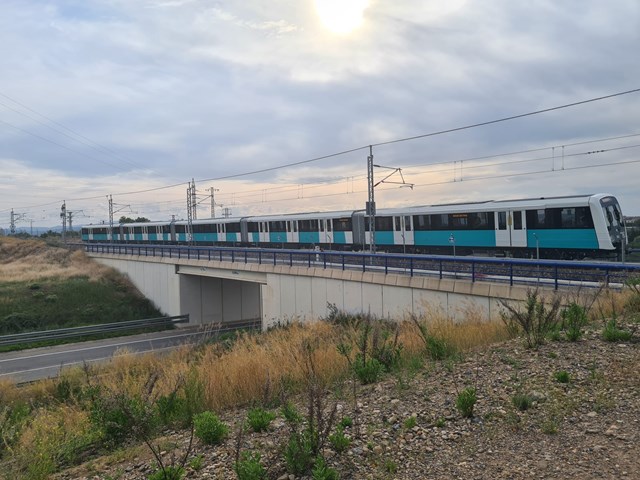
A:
(586, 429)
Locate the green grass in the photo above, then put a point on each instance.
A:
(68, 303)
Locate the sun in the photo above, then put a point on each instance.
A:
(341, 16)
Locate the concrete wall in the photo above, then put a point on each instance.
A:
(213, 291)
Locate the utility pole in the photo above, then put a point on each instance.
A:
(194, 200)
(227, 212)
(15, 217)
(189, 232)
(213, 201)
(110, 197)
(63, 216)
(370, 209)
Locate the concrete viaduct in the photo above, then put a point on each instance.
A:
(213, 291)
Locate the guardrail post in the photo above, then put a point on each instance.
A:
(274, 259)
(411, 266)
(364, 263)
(555, 274)
(511, 274)
(386, 265)
(259, 257)
(440, 269)
(473, 271)
(291, 259)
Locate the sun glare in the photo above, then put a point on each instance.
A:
(341, 16)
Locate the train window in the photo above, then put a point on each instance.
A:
(308, 225)
(459, 221)
(277, 226)
(517, 220)
(422, 222)
(342, 224)
(233, 227)
(329, 226)
(253, 227)
(481, 221)
(440, 222)
(407, 224)
(322, 223)
(384, 224)
(396, 222)
(535, 219)
(502, 220)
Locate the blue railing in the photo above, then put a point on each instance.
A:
(553, 273)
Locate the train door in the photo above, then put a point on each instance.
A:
(292, 231)
(402, 231)
(511, 229)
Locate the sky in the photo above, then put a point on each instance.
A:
(133, 99)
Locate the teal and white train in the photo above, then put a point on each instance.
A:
(554, 227)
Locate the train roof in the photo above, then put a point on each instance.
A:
(301, 216)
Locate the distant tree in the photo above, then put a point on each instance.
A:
(131, 220)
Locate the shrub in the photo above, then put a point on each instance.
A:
(410, 422)
(120, 417)
(345, 422)
(465, 401)
(209, 429)
(321, 471)
(290, 413)
(574, 319)
(299, 453)
(339, 441)
(562, 376)
(536, 320)
(368, 371)
(612, 333)
(171, 472)
(391, 467)
(522, 401)
(197, 462)
(248, 467)
(259, 419)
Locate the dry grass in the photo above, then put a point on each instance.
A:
(34, 260)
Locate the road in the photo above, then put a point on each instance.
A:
(38, 363)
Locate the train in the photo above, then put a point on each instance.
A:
(565, 227)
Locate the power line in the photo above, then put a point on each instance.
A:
(505, 119)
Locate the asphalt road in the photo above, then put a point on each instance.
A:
(38, 363)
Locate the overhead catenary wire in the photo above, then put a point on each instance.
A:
(324, 157)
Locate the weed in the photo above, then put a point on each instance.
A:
(209, 428)
(466, 401)
(612, 333)
(248, 467)
(562, 376)
(368, 371)
(259, 419)
(522, 401)
(536, 320)
(197, 462)
(390, 467)
(440, 422)
(574, 319)
(321, 471)
(339, 441)
(290, 413)
(409, 423)
(172, 472)
(345, 422)
(549, 426)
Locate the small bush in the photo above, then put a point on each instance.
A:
(171, 472)
(290, 413)
(259, 419)
(339, 441)
(345, 422)
(612, 333)
(522, 401)
(321, 471)
(410, 422)
(440, 422)
(465, 401)
(209, 429)
(197, 462)
(536, 320)
(562, 376)
(574, 319)
(550, 427)
(368, 371)
(248, 467)
(391, 467)
(299, 453)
